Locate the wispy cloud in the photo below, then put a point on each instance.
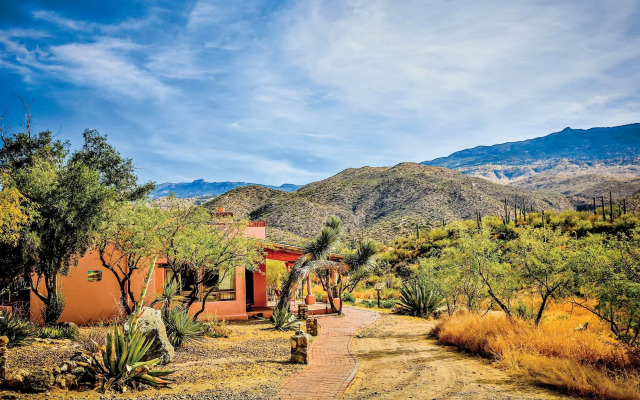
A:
(291, 92)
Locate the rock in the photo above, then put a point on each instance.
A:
(66, 381)
(78, 371)
(15, 377)
(151, 325)
(300, 347)
(67, 366)
(80, 357)
(38, 381)
(74, 332)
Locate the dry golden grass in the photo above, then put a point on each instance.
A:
(586, 362)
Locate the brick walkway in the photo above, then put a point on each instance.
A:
(332, 367)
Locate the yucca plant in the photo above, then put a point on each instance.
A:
(419, 299)
(119, 360)
(19, 330)
(282, 319)
(181, 328)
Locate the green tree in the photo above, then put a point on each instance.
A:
(207, 249)
(481, 256)
(71, 197)
(545, 259)
(128, 239)
(610, 273)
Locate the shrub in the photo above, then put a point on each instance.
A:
(119, 359)
(57, 332)
(319, 296)
(586, 362)
(19, 330)
(348, 298)
(418, 299)
(282, 319)
(181, 328)
(217, 328)
(524, 311)
(54, 309)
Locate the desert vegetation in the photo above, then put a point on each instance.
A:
(550, 296)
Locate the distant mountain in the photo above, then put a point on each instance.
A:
(380, 202)
(203, 189)
(581, 189)
(602, 151)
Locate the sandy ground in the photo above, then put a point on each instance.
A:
(250, 364)
(399, 361)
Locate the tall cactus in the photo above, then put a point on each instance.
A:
(610, 206)
(604, 213)
(595, 208)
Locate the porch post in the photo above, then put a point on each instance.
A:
(311, 299)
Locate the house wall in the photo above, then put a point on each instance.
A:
(91, 302)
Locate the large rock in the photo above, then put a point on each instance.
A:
(15, 377)
(38, 381)
(152, 326)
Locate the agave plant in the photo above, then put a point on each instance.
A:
(119, 360)
(419, 299)
(282, 319)
(181, 328)
(19, 330)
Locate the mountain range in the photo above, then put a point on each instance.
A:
(379, 202)
(203, 189)
(611, 151)
(563, 170)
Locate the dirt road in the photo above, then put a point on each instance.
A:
(399, 361)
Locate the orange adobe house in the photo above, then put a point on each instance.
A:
(92, 293)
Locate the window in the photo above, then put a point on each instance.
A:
(223, 281)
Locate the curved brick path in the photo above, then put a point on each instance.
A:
(331, 367)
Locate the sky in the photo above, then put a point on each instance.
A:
(292, 92)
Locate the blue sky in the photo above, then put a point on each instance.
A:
(276, 91)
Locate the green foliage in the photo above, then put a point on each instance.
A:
(524, 311)
(389, 303)
(283, 319)
(181, 328)
(120, 360)
(57, 332)
(19, 330)
(53, 310)
(418, 298)
(348, 297)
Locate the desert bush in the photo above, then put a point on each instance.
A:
(523, 310)
(181, 328)
(418, 299)
(217, 328)
(383, 303)
(57, 332)
(19, 330)
(348, 298)
(282, 319)
(54, 309)
(119, 359)
(557, 353)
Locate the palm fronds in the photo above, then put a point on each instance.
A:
(181, 328)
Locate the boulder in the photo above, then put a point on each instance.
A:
(151, 325)
(38, 381)
(66, 381)
(15, 377)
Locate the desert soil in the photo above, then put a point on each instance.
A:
(250, 364)
(398, 360)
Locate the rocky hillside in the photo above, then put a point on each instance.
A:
(203, 189)
(602, 151)
(581, 189)
(380, 202)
